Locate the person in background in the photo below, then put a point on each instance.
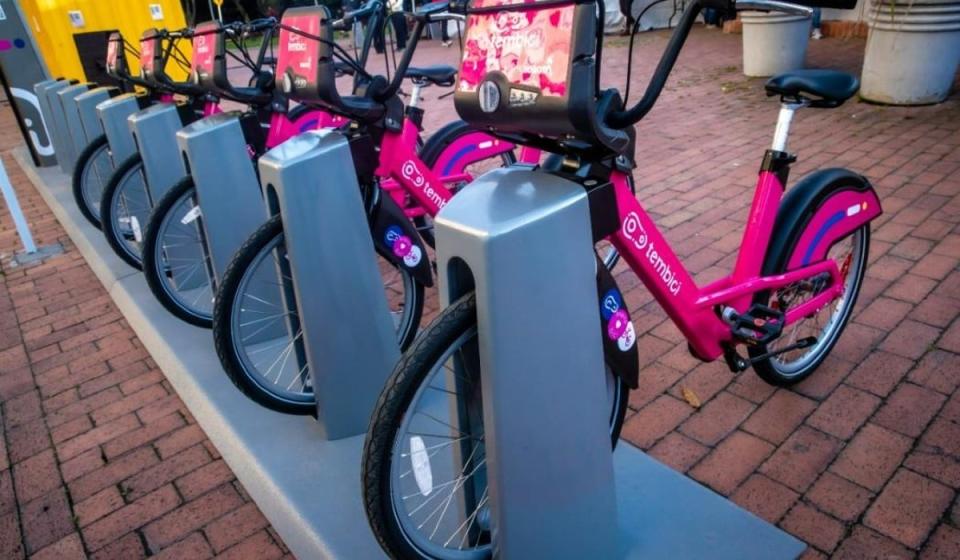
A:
(711, 17)
(816, 34)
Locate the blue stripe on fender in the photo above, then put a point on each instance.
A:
(456, 157)
(309, 125)
(831, 221)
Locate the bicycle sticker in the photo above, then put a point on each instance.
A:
(190, 216)
(420, 461)
(611, 303)
(137, 232)
(403, 246)
(619, 326)
(393, 233)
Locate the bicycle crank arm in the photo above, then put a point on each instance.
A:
(738, 363)
(802, 343)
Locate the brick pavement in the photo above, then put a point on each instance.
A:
(862, 460)
(99, 457)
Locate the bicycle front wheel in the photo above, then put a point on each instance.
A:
(257, 329)
(125, 208)
(90, 176)
(176, 262)
(424, 462)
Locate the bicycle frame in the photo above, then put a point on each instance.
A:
(211, 108)
(406, 173)
(694, 309)
(282, 128)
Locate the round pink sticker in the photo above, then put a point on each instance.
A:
(402, 246)
(618, 324)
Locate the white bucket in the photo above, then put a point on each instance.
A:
(773, 43)
(913, 51)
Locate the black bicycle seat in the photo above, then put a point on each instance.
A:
(343, 69)
(831, 87)
(438, 75)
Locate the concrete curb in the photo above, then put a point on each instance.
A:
(308, 488)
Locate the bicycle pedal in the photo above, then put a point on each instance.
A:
(759, 325)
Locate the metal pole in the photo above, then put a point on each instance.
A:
(10, 196)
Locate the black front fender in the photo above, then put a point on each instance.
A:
(616, 329)
(396, 239)
(801, 204)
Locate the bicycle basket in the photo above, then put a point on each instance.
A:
(302, 59)
(116, 63)
(209, 63)
(529, 68)
(151, 55)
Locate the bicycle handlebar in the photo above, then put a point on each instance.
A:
(629, 117)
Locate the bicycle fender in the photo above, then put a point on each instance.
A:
(616, 329)
(822, 208)
(397, 240)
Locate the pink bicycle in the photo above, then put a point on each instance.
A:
(787, 300)
(176, 263)
(258, 339)
(126, 200)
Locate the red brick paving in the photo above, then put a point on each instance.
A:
(99, 457)
(860, 461)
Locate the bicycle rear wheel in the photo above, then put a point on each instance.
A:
(424, 461)
(851, 254)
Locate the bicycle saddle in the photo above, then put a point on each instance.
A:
(831, 87)
(343, 69)
(438, 75)
(257, 92)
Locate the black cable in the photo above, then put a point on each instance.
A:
(338, 51)
(633, 34)
(388, 23)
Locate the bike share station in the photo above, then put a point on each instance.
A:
(305, 475)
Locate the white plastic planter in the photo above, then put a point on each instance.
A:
(913, 51)
(773, 43)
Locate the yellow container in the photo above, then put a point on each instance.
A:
(54, 23)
